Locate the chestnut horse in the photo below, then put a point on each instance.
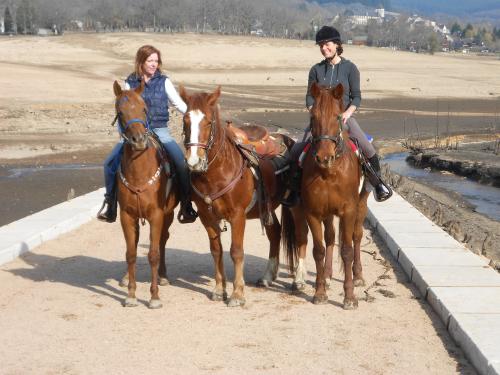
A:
(331, 187)
(224, 189)
(144, 191)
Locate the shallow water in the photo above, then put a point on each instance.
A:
(485, 198)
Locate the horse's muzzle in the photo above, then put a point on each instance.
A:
(200, 167)
(139, 141)
(325, 161)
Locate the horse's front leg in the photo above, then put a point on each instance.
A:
(213, 230)
(130, 227)
(156, 227)
(330, 243)
(319, 257)
(273, 233)
(347, 252)
(168, 218)
(238, 222)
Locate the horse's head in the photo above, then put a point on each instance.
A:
(326, 124)
(132, 116)
(200, 125)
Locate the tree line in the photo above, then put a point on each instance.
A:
(274, 18)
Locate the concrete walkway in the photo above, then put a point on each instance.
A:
(460, 286)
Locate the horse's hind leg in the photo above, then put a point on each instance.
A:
(273, 233)
(330, 243)
(219, 293)
(156, 225)
(130, 228)
(162, 271)
(347, 252)
(357, 268)
(237, 232)
(301, 230)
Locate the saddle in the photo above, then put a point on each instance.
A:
(267, 154)
(257, 136)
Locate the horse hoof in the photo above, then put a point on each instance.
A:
(234, 302)
(130, 302)
(359, 282)
(320, 300)
(164, 281)
(297, 287)
(263, 283)
(350, 304)
(155, 304)
(218, 296)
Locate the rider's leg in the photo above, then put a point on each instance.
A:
(111, 164)
(291, 196)
(187, 213)
(382, 191)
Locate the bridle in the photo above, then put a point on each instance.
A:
(211, 140)
(338, 139)
(124, 127)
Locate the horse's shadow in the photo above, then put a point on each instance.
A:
(185, 269)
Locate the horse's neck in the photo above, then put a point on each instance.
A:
(139, 165)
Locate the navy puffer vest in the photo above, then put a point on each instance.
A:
(155, 96)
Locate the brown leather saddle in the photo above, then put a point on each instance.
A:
(257, 136)
(271, 152)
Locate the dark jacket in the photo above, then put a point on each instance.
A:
(326, 74)
(155, 96)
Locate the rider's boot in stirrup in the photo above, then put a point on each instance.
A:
(109, 206)
(382, 191)
(291, 196)
(187, 214)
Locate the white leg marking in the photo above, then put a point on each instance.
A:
(300, 272)
(196, 116)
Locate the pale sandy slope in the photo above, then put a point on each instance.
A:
(61, 313)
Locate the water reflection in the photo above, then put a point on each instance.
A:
(485, 198)
(25, 171)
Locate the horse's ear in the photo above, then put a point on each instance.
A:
(183, 93)
(140, 88)
(338, 91)
(315, 90)
(212, 99)
(117, 88)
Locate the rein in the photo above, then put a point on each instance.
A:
(210, 197)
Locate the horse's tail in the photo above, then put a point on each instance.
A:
(288, 240)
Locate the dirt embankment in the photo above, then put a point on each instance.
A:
(448, 210)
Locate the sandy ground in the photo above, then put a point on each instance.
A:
(62, 313)
(61, 309)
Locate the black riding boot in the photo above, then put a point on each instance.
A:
(187, 213)
(382, 191)
(109, 206)
(291, 197)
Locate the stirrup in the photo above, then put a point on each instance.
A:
(187, 215)
(291, 200)
(384, 194)
(106, 216)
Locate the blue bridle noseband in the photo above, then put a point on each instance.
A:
(123, 128)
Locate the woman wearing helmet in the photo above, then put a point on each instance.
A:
(333, 70)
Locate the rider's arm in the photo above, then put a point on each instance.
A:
(312, 78)
(174, 97)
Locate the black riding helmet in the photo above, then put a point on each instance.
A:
(327, 34)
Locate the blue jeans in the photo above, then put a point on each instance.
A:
(112, 163)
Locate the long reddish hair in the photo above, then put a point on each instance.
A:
(142, 55)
